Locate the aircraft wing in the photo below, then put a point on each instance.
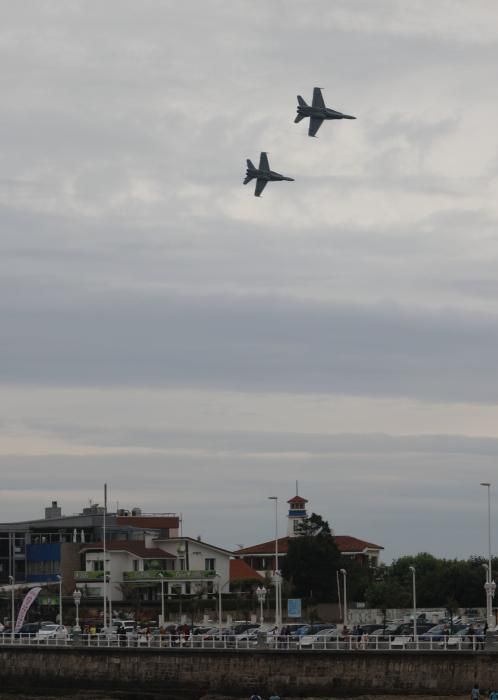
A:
(263, 162)
(260, 186)
(317, 98)
(315, 124)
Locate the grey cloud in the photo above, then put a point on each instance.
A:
(256, 444)
(263, 344)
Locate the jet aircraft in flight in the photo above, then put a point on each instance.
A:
(317, 112)
(263, 174)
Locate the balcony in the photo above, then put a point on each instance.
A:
(155, 575)
(89, 576)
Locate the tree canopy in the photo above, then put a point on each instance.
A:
(312, 560)
(439, 582)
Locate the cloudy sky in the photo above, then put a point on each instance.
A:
(200, 349)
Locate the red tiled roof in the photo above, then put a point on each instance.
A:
(349, 544)
(155, 522)
(266, 547)
(241, 571)
(345, 543)
(297, 499)
(132, 547)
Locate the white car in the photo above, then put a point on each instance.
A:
(401, 641)
(321, 640)
(51, 631)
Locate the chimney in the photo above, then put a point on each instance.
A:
(53, 511)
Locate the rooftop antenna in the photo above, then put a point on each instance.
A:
(297, 489)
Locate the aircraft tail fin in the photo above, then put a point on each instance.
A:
(298, 118)
(301, 101)
(250, 175)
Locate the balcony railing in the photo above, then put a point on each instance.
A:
(88, 575)
(155, 575)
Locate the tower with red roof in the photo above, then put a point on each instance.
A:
(297, 513)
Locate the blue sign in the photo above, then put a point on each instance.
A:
(294, 607)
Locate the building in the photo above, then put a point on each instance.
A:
(153, 566)
(140, 549)
(262, 557)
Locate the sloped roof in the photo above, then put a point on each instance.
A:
(348, 544)
(136, 548)
(297, 499)
(241, 571)
(266, 547)
(345, 544)
(150, 522)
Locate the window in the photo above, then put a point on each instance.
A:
(210, 564)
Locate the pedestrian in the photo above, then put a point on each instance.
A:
(493, 695)
(475, 693)
(274, 696)
(122, 635)
(255, 696)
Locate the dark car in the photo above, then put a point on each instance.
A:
(439, 633)
(28, 628)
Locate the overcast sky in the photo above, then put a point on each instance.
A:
(200, 349)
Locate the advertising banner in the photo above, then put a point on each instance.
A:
(29, 598)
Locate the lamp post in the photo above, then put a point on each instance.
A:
(162, 599)
(490, 585)
(414, 593)
(104, 557)
(109, 581)
(261, 595)
(344, 597)
(59, 578)
(12, 608)
(220, 611)
(77, 599)
(277, 578)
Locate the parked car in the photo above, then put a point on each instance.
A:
(463, 640)
(405, 637)
(28, 629)
(440, 633)
(320, 640)
(51, 631)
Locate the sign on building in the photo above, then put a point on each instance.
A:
(294, 607)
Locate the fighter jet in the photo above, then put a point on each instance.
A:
(317, 112)
(263, 174)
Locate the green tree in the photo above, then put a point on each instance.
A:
(386, 594)
(312, 526)
(311, 564)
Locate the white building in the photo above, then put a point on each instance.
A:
(184, 565)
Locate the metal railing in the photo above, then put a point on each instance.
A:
(229, 641)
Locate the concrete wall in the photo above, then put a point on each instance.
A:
(192, 673)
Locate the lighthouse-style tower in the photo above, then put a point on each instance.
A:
(297, 513)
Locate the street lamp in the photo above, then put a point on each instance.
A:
(414, 590)
(59, 578)
(277, 578)
(490, 585)
(261, 595)
(344, 597)
(12, 608)
(162, 598)
(77, 599)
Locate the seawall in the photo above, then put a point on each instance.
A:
(193, 673)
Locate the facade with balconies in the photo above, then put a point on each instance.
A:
(177, 566)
